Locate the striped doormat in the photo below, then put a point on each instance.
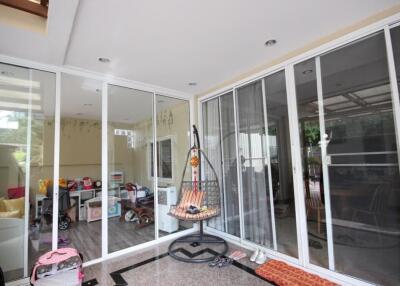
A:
(283, 274)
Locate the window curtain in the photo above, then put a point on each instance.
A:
(212, 148)
(254, 172)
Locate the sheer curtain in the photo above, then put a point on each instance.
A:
(212, 147)
(254, 172)
(232, 223)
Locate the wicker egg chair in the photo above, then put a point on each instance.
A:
(204, 195)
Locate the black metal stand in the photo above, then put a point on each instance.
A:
(196, 240)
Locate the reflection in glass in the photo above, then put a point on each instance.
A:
(254, 168)
(281, 163)
(173, 140)
(80, 166)
(212, 147)
(26, 156)
(130, 180)
(307, 109)
(219, 140)
(230, 184)
(364, 194)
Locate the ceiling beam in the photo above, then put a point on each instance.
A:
(27, 6)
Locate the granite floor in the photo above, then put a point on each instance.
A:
(154, 267)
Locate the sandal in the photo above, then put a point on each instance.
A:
(215, 262)
(225, 262)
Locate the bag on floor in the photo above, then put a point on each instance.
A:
(61, 267)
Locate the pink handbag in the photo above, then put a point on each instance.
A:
(56, 262)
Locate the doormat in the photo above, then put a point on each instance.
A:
(283, 274)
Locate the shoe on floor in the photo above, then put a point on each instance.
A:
(261, 258)
(254, 256)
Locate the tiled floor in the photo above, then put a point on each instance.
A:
(154, 267)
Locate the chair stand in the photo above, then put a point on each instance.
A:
(197, 239)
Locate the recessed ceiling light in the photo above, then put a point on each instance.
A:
(307, 71)
(270, 43)
(104, 60)
(87, 104)
(192, 83)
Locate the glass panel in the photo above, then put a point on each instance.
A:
(27, 104)
(231, 188)
(281, 163)
(80, 166)
(173, 138)
(254, 168)
(307, 109)
(395, 35)
(212, 147)
(365, 197)
(220, 146)
(130, 184)
(41, 164)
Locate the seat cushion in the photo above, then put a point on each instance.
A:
(15, 205)
(2, 206)
(10, 214)
(181, 214)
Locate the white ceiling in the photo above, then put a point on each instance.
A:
(171, 43)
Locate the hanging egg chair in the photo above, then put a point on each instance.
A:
(198, 201)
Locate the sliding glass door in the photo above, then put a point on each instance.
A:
(310, 151)
(229, 165)
(173, 140)
(252, 145)
(80, 166)
(280, 159)
(219, 139)
(352, 181)
(27, 106)
(130, 172)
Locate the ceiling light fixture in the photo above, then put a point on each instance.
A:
(192, 83)
(104, 60)
(270, 43)
(307, 71)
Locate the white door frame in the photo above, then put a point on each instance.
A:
(267, 161)
(325, 162)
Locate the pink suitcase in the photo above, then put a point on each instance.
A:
(61, 267)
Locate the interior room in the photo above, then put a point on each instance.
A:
(180, 143)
